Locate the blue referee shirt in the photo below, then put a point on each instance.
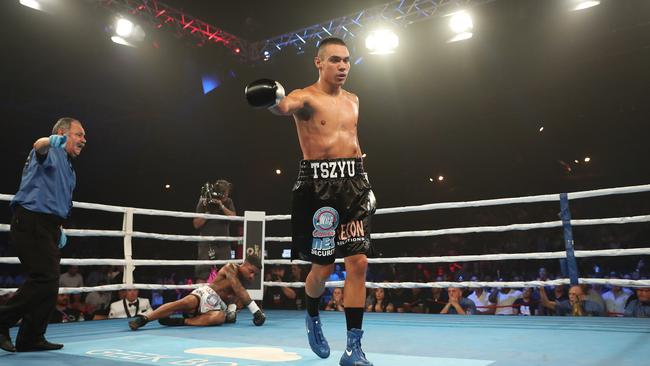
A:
(47, 183)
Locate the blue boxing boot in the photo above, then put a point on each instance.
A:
(317, 340)
(353, 355)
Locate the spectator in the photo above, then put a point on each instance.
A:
(97, 275)
(98, 301)
(417, 300)
(277, 297)
(615, 300)
(297, 275)
(64, 313)
(458, 304)
(526, 305)
(336, 302)
(480, 297)
(130, 305)
(398, 297)
(557, 293)
(639, 307)
(378, 302)
(72, 278)
(438, 300)
(503, 298)
(575, 306)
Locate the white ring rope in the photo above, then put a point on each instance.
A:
(390, 285)
(441, 259)
(499, 201)
(128, 234)
(398, 234)
(141, 211)
(463, 284)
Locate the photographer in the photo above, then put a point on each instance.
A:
(215, 199)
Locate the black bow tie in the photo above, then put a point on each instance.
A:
(133, 304)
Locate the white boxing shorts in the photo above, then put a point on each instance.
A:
(209, 300)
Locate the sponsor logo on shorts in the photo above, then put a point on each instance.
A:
(325, 221)
(212, 300)
(351, 232)
(333, 169)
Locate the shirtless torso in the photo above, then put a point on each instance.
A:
(327, 124)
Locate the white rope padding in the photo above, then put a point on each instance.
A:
(461, 230)
(138, 234)
(500, 201)
(486, 257)
(463, 284)
(462, 204)
(611, 220)
(399, 234)
(608, 191)
(141, 211)
(425, 207)
(441, 259)
(277, 217)
(442, 284)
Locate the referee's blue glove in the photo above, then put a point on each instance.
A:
(63, 240)
(58, 141)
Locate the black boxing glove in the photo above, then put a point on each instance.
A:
(259, 318)
(264, 93)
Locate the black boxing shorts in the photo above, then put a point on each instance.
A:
(331, 210)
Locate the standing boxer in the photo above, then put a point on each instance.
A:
(332, 199)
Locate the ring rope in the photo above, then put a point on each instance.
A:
(391, 235)
(500, 201)
(389, 285)
(426, 207)
(440, 259)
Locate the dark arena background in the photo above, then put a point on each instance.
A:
(506, 142)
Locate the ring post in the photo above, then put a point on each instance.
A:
(127, 227)
(254, 237)
(565, 215)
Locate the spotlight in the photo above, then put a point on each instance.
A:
(382, 42)
(167, 186)
(31, 4)
(267, 55)
(587, 159)
(440, 178)
(461, 24)
(124, 28)
(576, 161)
(127, 33)
(430, 179)
(363, 155)
(586, 4)
(278, 171)
(237, 50)
(541, 129)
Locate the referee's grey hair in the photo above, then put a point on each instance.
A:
(64, 124)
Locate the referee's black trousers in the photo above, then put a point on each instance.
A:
(35, 237)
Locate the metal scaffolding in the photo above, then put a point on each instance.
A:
(398, 13)
(162, 16)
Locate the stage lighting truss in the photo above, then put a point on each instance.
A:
(399, 13)
(162, 16)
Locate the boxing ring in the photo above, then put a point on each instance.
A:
(390, 339)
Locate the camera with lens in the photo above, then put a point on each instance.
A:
(213, 192)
